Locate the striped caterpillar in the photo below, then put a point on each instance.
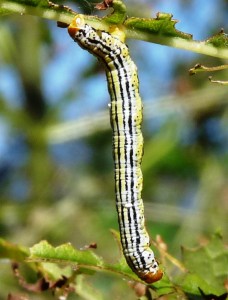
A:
(126, 118)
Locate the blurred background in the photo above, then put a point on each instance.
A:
(56, 168)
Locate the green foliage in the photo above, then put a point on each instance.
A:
(84, 210)
(11, 251)
(204, 268)
(219, 40)
(45, 251)
(163, 26)
(159, 30)
(209, 263)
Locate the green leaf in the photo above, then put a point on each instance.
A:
(162, 25)
(13, 251)
(207, 267)
(64, 253)
(86, 260)
(220, 40)
(53, 271)
(160, 30)
(190, 284)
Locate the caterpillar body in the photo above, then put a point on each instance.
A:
(126, 118)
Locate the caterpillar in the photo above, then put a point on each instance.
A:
(126, 119)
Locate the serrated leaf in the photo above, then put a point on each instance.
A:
(162, 25)
(13, 251)
(209, 264)
(160, 30)
(64, 253)
(220, 40)
(86, 260)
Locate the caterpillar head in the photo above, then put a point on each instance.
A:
(77, 24)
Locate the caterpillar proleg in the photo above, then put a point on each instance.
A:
(126, 118)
